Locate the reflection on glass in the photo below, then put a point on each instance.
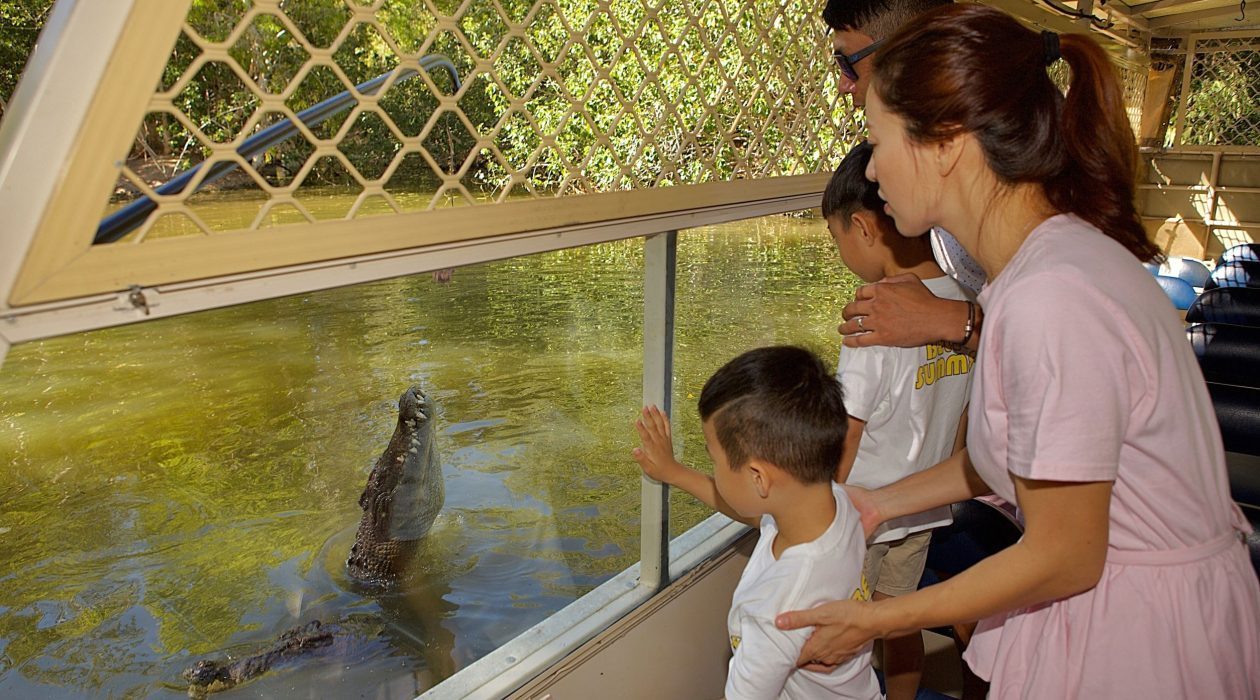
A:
(188, 488)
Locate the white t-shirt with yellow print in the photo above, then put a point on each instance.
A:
(804, 575)
(911, 400)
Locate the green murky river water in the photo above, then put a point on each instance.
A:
(188, 487)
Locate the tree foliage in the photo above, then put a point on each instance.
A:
(20, 22)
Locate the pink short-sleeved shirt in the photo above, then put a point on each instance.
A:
(1084, 373)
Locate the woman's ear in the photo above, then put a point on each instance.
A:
(949, 150)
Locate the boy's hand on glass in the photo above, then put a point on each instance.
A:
(656, 455)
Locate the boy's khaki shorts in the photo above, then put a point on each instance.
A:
(894, 568)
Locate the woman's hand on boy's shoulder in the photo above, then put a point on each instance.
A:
(866, 506)
(656, 453)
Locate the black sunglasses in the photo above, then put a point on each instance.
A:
(846, 62)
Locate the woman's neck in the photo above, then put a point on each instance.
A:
(993, 225)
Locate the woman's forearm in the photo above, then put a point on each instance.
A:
(1061, 554)
(951, 481)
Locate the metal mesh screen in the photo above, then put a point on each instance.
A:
(452, 103)
(1133, 76)
(1222, 94)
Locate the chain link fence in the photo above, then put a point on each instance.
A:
(1220, 94)
(552, 98)
(446, 103)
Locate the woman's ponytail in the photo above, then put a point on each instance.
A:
(1099, 181)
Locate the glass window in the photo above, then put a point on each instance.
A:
(188, 488)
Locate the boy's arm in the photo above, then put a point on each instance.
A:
(763, 660)
(656, 458)
(852, 438)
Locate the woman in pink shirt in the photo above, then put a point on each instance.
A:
(1088, 408)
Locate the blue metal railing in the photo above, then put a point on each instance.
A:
(117, 225)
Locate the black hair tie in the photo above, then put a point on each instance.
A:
(1051, 41)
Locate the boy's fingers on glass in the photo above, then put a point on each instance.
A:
(867, 291)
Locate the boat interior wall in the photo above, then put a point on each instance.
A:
(1199, 202)
(675, 646)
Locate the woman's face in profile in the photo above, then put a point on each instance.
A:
(910, 190)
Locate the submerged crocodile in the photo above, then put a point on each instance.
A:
(212, 676)
(402, 498)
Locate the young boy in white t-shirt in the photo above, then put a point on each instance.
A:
(774, 424)
(906, 405)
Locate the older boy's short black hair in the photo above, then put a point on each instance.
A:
(779, 404)
(849, 190)
(878, 19)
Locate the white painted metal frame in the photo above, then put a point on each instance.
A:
(100, 311)
(41, 112)
(660, 256)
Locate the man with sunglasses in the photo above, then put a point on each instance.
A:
(899, 312)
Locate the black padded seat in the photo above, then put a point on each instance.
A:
(1228, 354)
(1253, 545)
(1242, 251)
(1237, 305)
(1238, 412)
(1244, 482)
(979, 529)
(1235, 273)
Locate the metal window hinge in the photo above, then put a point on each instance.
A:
(138, 298)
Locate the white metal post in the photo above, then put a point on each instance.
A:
(660, 254)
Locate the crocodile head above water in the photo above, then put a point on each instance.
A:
(402, 498)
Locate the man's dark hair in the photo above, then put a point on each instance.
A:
(779, 404)
(878, 19)
(850, 191)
